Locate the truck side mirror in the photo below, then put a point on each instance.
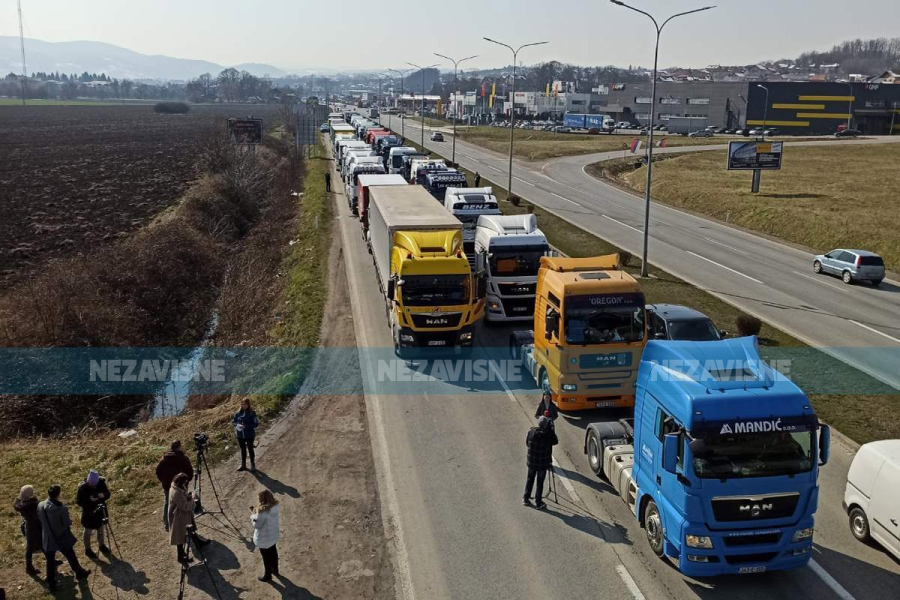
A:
(390, 290)
(824, 444)
(670, 452)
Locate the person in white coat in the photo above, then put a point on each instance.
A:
(266, 531)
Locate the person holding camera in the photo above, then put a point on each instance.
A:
(245, 424)
(172, 463)
(91, 497)
(266, 532)
(181, 515)
(546, 405)
(56, 536)
(540, 442)
(26, 504)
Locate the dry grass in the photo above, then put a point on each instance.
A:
(541, 145)
(824, 197)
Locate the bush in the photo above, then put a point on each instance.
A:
(171, 108)
(747, 325)
(624, 257)
(515, 200)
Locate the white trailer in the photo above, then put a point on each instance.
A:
(467, 204)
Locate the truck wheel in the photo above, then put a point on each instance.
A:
(817, 267)
(859, 524)
(595, 453)
(654, 528)
(513, 348)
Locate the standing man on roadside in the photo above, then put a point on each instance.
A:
(540, 442)
(172, 463)
(91, 497)
(327, 181)
(477, 179)
(56, 530)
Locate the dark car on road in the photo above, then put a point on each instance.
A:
(848, 133)
(437, 136)
(676, 322)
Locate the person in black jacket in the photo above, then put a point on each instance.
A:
(26, 505)
(56, 532)
(546, 406)
(327, 181)
(540, 442)
(172, 463)
(245, 424)
(91, 497)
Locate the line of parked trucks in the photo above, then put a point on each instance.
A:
(719, 463)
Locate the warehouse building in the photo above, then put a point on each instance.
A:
(722, 103)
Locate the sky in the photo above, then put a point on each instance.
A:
(362, 35)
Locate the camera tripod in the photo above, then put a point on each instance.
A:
(187, 566)
(198, 485)
(107, 528)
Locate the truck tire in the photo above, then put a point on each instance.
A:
(654, 528)
(595, 453)
(859, 524)
(513, 348)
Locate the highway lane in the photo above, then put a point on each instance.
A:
(450, 464)
(859, 325)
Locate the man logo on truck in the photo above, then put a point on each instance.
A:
(754, 509)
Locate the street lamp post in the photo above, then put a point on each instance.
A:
(423, 96)
(402, 74)
(850, 105)
(455, 87)
(512, 104)
(386, 103)
(757, 174)
(659, 28)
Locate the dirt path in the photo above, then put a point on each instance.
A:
(317, 459)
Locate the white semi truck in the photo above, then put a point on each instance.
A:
(467, 204)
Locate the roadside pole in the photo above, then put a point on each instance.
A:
(754, 186)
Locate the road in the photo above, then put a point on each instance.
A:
(859, 325)
(450, 461)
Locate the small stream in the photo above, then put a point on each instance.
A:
(172, 398)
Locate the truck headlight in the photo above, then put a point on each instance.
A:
(405, 337)
(466, 336)
(802, 534)
(698, 541)
(569, 387)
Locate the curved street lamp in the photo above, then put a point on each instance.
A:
(402, 74)
(423, 96)
(455, 85)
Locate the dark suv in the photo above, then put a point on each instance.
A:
(675, 322)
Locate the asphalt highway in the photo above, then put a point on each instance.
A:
(450, 458)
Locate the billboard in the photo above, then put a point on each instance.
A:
(245, 131)
(751, 156)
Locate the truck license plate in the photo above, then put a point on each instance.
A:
(605, 404)
(752, 570)
(520, 308)
(437, 343)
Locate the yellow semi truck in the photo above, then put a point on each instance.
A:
(590, 329)
(433, 299)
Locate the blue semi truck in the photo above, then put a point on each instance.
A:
(602, 123)
(720, 462)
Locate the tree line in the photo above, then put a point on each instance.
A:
(230, 85)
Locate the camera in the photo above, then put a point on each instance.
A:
(201, 441)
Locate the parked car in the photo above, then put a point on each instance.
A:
(848, 133)
(324, 128)
(851, 265)
(870, 498)
(437, 136)
(770, 132)
(729, 131)
(675, 322)
(562, 129)
(701, 133)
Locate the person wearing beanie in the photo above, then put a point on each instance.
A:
(546, 405)
(91, 497)
(172, 463)
(56, 536)
(540, 442)
(26, 504)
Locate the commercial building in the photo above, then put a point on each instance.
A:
(413, 103)
(722, 103)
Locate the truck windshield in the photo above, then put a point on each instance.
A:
(754, 455)
(435, 290)
(515, 263)
(604, 318)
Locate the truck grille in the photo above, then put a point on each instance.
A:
(733, 541)
(429, 320)
(518, 307)
(755, 508)
(516, 289)
(742, 559)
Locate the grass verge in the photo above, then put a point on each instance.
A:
(859, 417)
(823, 197)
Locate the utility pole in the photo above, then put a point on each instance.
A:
(455, 91)
(757, 174)
(512, 105)
(402, 74)
(22, 44)
(653, 101)
(423, 97)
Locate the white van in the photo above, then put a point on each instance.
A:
(871, 497)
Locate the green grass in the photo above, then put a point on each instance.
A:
(860, 417)
(823, 197)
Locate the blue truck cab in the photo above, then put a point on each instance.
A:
(721, 460)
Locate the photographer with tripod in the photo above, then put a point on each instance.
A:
(91, 497)
(540, 442)
(172, 463)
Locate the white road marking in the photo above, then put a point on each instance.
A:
(873, 330)
(566, 483)
(629, 582)
(821, 280)
(494, 168)
(830, 581)
(509, 393)
(523, 181)
(622, 224)
(564, 198)
(726, 246)
(726, 268)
